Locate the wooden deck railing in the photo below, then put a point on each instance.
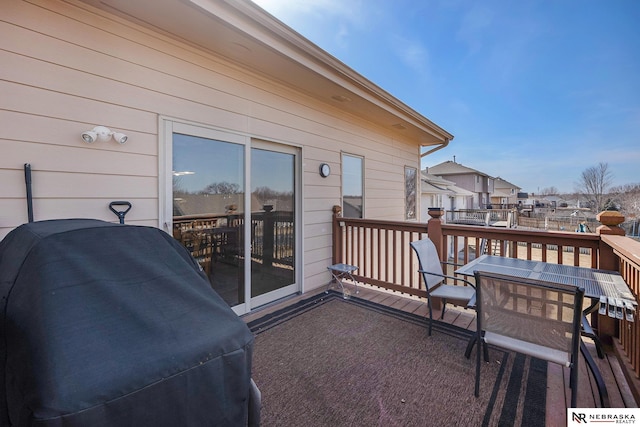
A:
(627, 252)
(578, 249)
(481, 217)
(381, 251)
(384, 258)
(272, 236)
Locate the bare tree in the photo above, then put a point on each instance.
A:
(549, 191)
(594, 183)
(628, 197)
(223, 187)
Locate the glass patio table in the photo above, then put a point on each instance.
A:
(607, 290)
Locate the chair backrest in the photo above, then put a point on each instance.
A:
(538, 318)
(483, 247)
(429, 261)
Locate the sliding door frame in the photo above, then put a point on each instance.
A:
(169, 126)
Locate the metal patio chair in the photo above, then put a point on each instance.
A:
(434, 279)
(536, 318)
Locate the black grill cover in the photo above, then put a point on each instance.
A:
(114, 325)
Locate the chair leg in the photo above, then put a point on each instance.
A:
(588, 331)
(430, 314)
(598, 344)
(444, 306)
(479, 343)
(597, 376)
(470, 345)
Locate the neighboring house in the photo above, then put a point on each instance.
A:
(505, 194)
(210, 95)
(557, 201)
(433, 192)
(437, 192)
(460, 199)
(479, 183)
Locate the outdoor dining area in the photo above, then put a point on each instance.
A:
(556, 313)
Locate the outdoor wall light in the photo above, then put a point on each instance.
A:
(325, 170)
(102, 133)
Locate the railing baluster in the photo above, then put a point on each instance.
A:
(394, 257)
(403, 269)
(560, 251)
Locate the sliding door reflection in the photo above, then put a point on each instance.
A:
(208, 209)
(273, 246)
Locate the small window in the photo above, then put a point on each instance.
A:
(410, 192)
(352, 186)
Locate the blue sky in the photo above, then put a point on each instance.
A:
(534, 91)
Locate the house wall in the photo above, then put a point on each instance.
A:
(470, 182)
(431, 200)
(512, 197)
(67, 67)
(460, 203)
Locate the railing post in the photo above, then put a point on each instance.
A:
(607, 260)
(610, 225)
(337, 235)
(268, 237)
(434, 230)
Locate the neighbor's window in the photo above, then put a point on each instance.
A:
(410, 192)
(352, 188)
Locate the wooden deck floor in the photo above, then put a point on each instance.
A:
(558, 392)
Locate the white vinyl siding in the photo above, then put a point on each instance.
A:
(67, 68)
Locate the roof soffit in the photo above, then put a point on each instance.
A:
(243, 33)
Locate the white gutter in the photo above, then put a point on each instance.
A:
(439, 147)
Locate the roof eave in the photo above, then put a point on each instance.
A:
(247, 35)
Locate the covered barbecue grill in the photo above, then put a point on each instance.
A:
(115, 325)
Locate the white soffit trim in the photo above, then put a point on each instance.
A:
(245, 34)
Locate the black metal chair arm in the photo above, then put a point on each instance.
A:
(448, 277)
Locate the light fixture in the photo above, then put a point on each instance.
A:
(325, 170)
(120, 138)
(102, 133)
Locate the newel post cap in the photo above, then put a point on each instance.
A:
(435, 212)
(610, 218)
(610, 221)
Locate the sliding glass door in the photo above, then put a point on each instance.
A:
(217, 218)
(274, 237)
(208, 209)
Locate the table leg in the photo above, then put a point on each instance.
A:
(597, 376)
